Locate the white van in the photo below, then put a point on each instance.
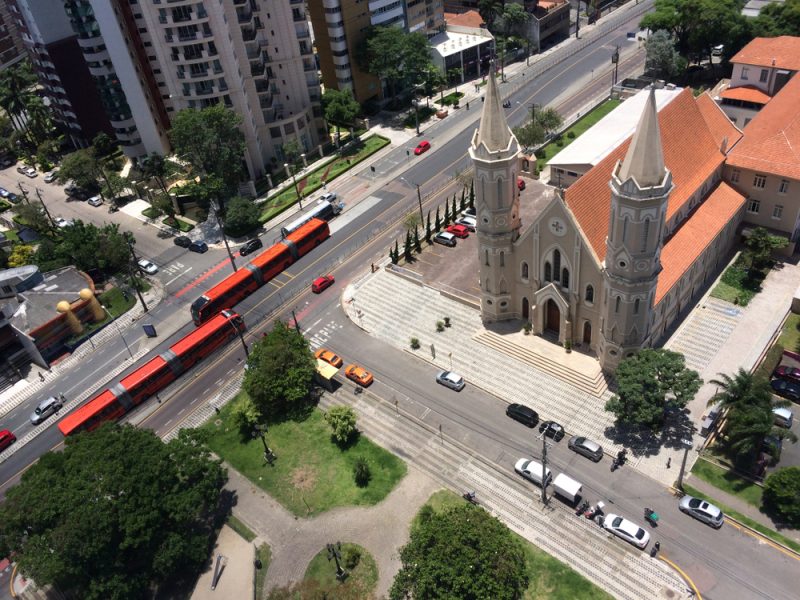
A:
(566, 487)
(530, 469)
(783, 417)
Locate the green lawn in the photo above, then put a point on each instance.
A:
(360, 582)
(115, 302)
(325, 174)
(766, 531)
(240, 528)
(11, 236)
(736, 284)
(549, 577)
(451, 99)
(181, 226)
(264, 554)
(728, 482)
(311, 474)
(790, 336)
(578, 128)
(152, 212)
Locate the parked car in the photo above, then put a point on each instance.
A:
(61, 222)
(320, 284)
(450, 379)
(328, 197)
(250, 246)
(13, 198)
(717, 50)
(6, 439)
(6, 162)
(31, 172)
(782, 417)
(50, 176)
(422, 147)
(329, 357)
(702, 511)
(470, 212)
(627, 530)
(532, 470)
(523, 414)
(22, 169)
(552, 429)
(358, 374)
(520, 183)
(460, 231)
(469, 222)
(199, 247)
(787, 372)
(586, 447)
(786, 388)
(95, 201)
(445, 238)
(45, 408)
(148, 267)
(182, 241)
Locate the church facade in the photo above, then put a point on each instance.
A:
(611, 264)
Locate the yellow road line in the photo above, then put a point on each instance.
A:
(686, 578)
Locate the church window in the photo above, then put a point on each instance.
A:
(759, 181)
(547, 271)
(636, 307)
(777, 211)
(524, 270)
(556, 262)
(735, 175)
(486, 257)
(753, 206)
(616, 304)
(502, 259)
(645, 234)
(589, 293)
(565, 277)
(624, 229)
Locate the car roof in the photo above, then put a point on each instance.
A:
(782, 412)
(589, 444)
(445, 234)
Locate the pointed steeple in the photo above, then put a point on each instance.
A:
(493, 130)
(644, 161)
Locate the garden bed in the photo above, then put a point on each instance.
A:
(739, 284)
(451, 99)
(181, 226)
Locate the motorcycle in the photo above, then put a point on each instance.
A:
(655, 549)
(582, 508)
(595, 511)
(614, 465)
(470, 497)
(651, 517)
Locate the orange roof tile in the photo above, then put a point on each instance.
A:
(690, 158)
(771, 142)
(719, 124)
(470, 18)
(695, 234)
(746, 93)
(782, 52)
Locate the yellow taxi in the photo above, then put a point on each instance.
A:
(358, 374)
(329, 357)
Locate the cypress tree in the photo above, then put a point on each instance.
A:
(428, 229)
(472, 194)
(438, 219)
(396, 253)
(446, 213)
(455, 208)
(463, 204)
(407, 246)
(417, 245)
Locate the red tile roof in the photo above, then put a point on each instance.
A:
(690, 158)
(695, 235)
(746, 93)
(771, 142)
(470, 18)
(782, 52)
(719, 124)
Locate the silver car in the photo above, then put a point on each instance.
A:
(702, 511)
(450, 379)
(45, 408)
(148, 267)
(581, 445)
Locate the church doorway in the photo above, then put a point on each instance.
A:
(525, 309)
(553, 317)
(587, 333)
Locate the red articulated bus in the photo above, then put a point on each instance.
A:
(236, 287)
(154, 375)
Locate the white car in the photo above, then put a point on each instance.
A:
(95, 201)
(470, 223)
(61, 222)
(702, 511)
(450, 379)
(532, 470)
(627, 530)
(31, 172)
(50, 177)
(148, 267)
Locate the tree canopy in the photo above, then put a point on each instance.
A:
(649, 384)
(662, 58)
(241, 216)
(542, 123)
(87, 247)
(340, 108)
(782, 493)
(280, 371)
(760, 244)
(81, 167)
(115, 514)
(211, 140)
(778, 18)
(463, 552)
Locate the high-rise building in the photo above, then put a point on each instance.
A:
(157, 58)
(12, 49)
(339, 28)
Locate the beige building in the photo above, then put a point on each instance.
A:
(612, 264)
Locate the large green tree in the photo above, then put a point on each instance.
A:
(340, 108)
(513, 16)
(760, 244)
(241, 216)
(662, 59)
(463, 552)
(782, 494)
(649, 384)
(280, 371)
(81, 167)
(87, 247)
(211, 140)
(778, 18)
(114, 515)
(489, 11)
(543, 123)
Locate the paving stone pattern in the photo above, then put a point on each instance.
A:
(704, 331)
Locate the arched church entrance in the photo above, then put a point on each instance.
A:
(553, 317)
(587, 333)
(525, 309)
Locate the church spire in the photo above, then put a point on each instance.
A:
(493, 130)
(644, 161)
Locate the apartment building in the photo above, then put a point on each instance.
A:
(340, 25)
(12, 50)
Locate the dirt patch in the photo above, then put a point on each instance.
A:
(304, 478)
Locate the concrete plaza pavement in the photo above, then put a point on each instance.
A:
(236, 580)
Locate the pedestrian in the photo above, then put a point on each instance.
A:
(669, 462)
(467, 105)
(41, 376)
(61, 396)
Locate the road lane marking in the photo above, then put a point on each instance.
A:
(682, 574)
(178, 276)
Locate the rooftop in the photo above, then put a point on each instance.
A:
(746, 93)
(782, 52)
(470, 18)
(451, 42)
(720, 126)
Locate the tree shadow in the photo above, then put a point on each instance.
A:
(348, 443)
(676, 431)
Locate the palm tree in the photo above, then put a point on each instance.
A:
(16, 97)
(489, 11)
(744, 389)
(746, 430)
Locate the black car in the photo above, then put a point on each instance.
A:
(552, 429)
(199, 247)
(182, 241)
(250, 246)
(786, 388)
(523, 414)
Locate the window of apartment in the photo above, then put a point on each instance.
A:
(777, 211)
(745, 71)
(784, 186)
(735, 175)
(760, 181)
(753, 206)
(763, 76)
(275, 132)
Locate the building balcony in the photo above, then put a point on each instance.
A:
(257, 69)
(248, 34)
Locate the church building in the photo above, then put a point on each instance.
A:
(632, 243)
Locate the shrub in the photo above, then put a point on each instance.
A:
(571, 135)
(361, 472)
(414, 343)
(351, 557)
(425, 513)
(440, 326)
(781, 490)
(342, 420)
(527, 328)
(245, 417)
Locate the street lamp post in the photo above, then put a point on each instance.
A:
(615, 62)
(419, 199)
(241, 337)
(335, 553)
(687, 445)
(128, 237)
(119, 331)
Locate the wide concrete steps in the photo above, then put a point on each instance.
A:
(596, 385)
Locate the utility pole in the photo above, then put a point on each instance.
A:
(615, 61)
(533, 108)
(296, 324)
(578, 20)
(128, 237)
(217, 210)
(23, 191)
(241, 337)
(419, 200)
(294, 180)
(544, 468)
(44, 206)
